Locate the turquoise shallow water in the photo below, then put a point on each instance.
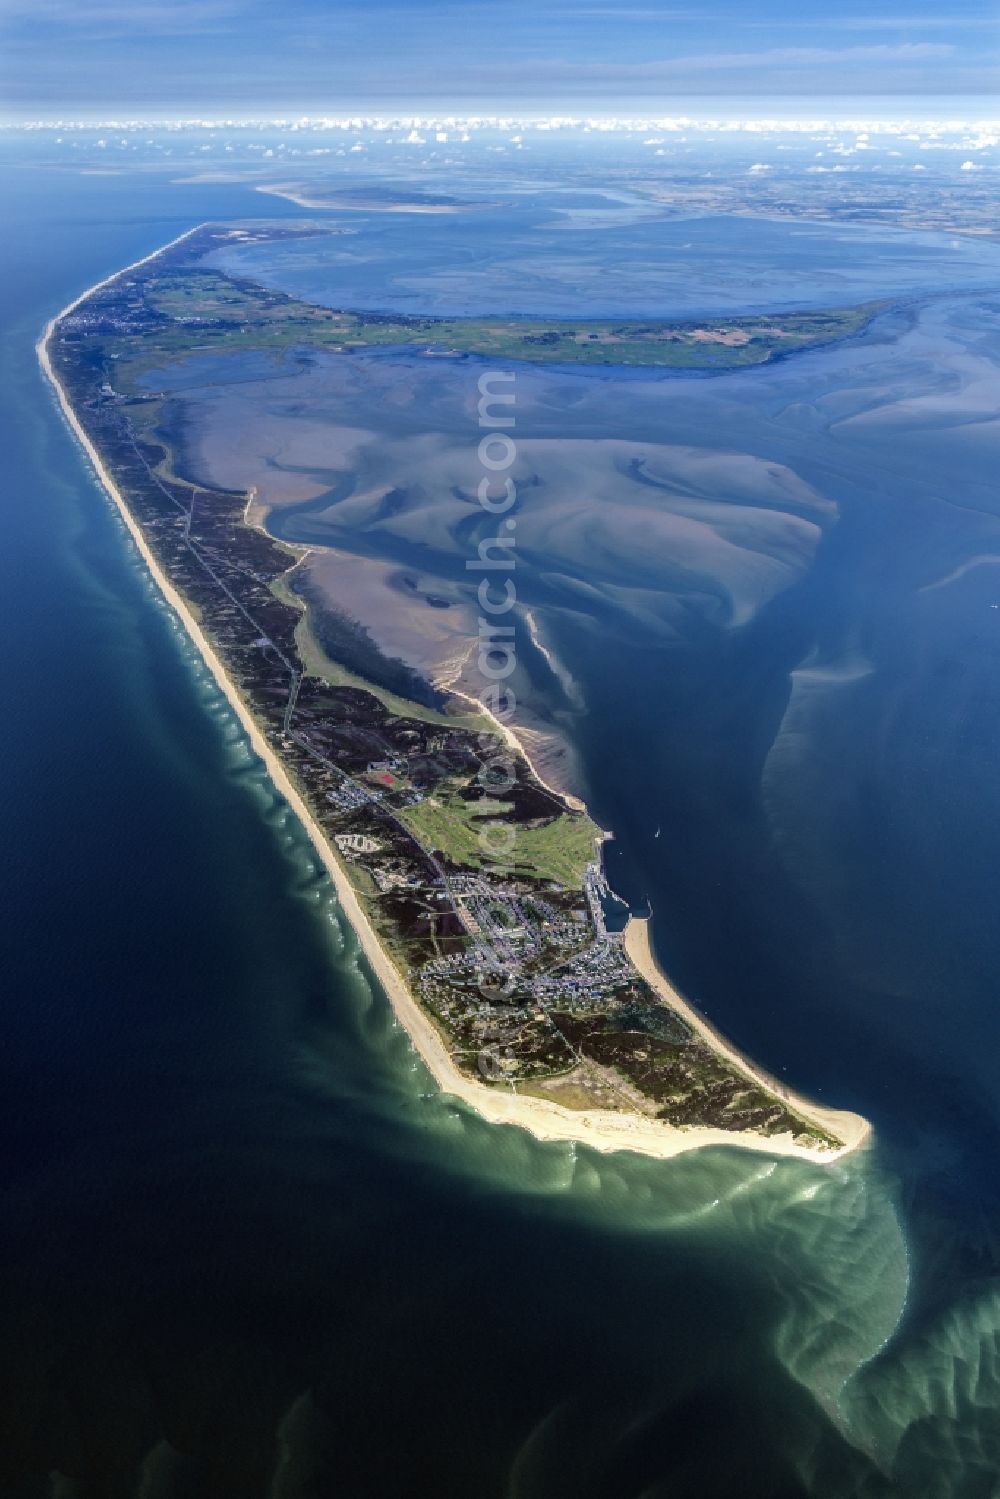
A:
(245, 1249)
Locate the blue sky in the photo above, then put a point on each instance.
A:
(199, 56)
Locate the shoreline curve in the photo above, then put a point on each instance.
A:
(601, 1130)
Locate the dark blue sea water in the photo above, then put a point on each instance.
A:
(245, 1248)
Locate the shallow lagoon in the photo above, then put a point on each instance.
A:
(775, 619)
(532, 257)
(247, 1249)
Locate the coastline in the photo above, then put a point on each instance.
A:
(853, 1129)
(599, 1129)
(256, 513)
(510, 737)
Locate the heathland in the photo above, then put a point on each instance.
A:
(503, 969)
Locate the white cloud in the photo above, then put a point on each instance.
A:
(839, 136)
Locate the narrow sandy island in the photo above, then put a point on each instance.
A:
(851, 1128)
(600, 1129)
(299, 194)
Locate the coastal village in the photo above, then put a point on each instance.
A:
(514, 964)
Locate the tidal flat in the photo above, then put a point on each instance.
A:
(838, 1328)
(403, 809)
(724, 577)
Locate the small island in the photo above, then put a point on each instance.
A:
(509, 976)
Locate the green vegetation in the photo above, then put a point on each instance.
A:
(559, 848)
(204, 310)
(396, 796)
(350, 643)
(316, 662)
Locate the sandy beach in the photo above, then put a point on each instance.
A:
(851, 1128)
(299, 194)
(602, 1130)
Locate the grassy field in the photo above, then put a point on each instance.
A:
(558, 850)
(211, 311)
